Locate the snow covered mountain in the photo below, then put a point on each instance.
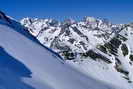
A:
(69, 35)
(98, 56)
(95, 47)
(26, 64)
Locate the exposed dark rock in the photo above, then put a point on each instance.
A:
(95, 56)
(124, 49)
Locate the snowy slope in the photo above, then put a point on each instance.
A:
(25, 64)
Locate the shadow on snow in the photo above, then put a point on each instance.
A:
(12, 71)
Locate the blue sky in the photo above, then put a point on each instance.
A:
(117, 11)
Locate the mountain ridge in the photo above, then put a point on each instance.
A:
(92, 38)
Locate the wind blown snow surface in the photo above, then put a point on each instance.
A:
(25, 64)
